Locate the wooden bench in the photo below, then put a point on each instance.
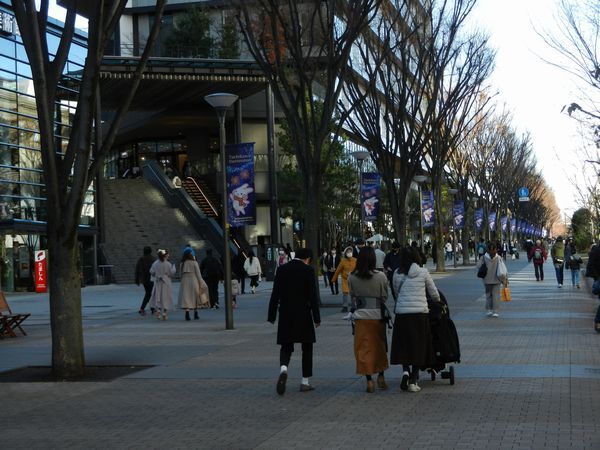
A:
(10, 322)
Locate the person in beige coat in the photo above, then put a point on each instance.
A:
(162, 298)
(192, 288)
(496, 275)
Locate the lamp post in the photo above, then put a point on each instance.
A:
(420, 179)
(222, 102)
(453, 193)
(360, 156)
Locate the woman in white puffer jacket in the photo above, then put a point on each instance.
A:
(411, 339)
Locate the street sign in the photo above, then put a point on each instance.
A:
(523, 194)
(41, 281)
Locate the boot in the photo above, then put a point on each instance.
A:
(196, 315)
(381, 384)
(187, 315)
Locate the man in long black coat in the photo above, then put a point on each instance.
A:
(295, 296)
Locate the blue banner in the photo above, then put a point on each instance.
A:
(479, 219)
(503, 223)
(241, 204)
(370, 188)
(427, 206)
(513, 225)
(459, 214)
(492, 221)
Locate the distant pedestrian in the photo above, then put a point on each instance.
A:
(497, 274)
(392, 262)
(538, 255)
(358, 246)
(212, 272)
(323, 268)
(448, 250)
(237, 266)
(344, 269)
(296, 299)
(369, 291)
(193, 288)
(331, 263)
(379, 258)
(411, 339)
(188, 248)
(558, 259)
(282, 258)
(481, 248)
(592, 270)
(162, 296)
(253, 269)
(142, 276)
(574, 263)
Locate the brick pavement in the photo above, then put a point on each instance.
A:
(528, 380)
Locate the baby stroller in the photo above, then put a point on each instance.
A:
(446, 347)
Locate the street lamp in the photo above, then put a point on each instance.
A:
(360, 156)
(222, 103)
(420, 179)
(453, 192)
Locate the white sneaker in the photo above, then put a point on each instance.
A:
(489, 313)
(495, 315)
(347, 316)
(559, 285)
(413, 388)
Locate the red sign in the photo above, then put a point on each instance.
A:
(41, 284)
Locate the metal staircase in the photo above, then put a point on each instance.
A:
(202, 195)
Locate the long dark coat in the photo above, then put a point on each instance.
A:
(295, 295)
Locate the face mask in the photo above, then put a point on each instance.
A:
(349, 255)
(333, 252)
(281, 253)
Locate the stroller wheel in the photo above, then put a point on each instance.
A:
(452, 375)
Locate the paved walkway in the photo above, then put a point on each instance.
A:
(529, 379)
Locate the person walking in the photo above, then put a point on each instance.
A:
(237, 266)
(558, 259)
(296, 299)
(392, 262)
(574, 262)
(212, 272)
(252, 268)
(142, 276)
(331, 263)
(481, 248)
(162, 296)
(592, 270)
(345, 268)
(282, 258)
(323, 267)
(369, 291)
(538, 255)
(496, 275)
(411, 337)
(379, 257)
(192, 287)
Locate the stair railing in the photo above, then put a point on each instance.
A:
(214, 210)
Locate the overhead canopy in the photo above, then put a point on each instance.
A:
(377, 238)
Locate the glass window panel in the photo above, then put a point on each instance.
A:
(77, 54)
(8, 135)
(27, 105)
(8, 118)
(29, 139)
(8, 80)
(30, 159)
(7, 47)
(28, 123)
(7, 64)
(53, 42)
(21, 53)
(8, 100)
(25, 85)
(23, 69)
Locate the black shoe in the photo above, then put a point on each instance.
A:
(306, 388)
(187, 315)
(217, 306)
(404, 382)
(196, 315)
(344, 309)
(281, 383)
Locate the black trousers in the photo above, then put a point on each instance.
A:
(242, 281)
(285, 354)
(213, 290)
(331, 284)
(148, 293)
(539, 271)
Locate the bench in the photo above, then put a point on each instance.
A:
(10, 322)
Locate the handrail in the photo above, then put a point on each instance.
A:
(203, 195)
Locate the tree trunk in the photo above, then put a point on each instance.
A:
(65, 306)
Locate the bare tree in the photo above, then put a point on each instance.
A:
(303, 48)
(69, 174)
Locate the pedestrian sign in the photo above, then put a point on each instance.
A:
(523, 194)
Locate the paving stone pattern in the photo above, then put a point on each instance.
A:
(528, 380)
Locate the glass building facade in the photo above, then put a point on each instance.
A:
(23, 207)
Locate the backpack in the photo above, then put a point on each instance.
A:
(537, 254)
(480, 249)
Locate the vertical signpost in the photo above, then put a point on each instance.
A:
(41, 276)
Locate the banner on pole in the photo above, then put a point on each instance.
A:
(459, 214)
(370, 188)
(427, 207)
(503, 223)
(241, 203)
(41, 275)
(492, 221)
(513, 225)
(479, 219)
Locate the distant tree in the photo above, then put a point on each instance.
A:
(582, 228)
(229, 45)
(69, 172)
(191, 35)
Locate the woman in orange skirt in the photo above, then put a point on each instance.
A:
(368, 292)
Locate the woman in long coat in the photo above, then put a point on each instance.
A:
(192, 286)
(345, 268)
(411, 338)
(162, 296)
(369, 291)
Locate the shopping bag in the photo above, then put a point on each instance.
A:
(505, 295)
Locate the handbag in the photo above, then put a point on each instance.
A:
(482, 272)
(235, 287)
(505, 294)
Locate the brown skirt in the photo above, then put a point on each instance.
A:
(370, 346)
(411, 340)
